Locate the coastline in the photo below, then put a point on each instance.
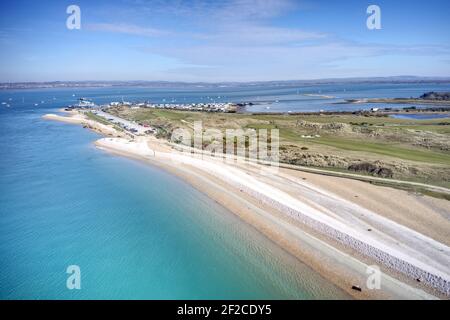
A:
(76, 118)
(303, 241)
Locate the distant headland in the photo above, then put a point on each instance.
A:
(181, 84)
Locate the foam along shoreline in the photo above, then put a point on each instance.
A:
(284, 218)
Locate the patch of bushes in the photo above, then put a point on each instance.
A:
(371, 168)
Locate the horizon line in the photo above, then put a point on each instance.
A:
(404, 77)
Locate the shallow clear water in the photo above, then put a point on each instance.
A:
(135, 231)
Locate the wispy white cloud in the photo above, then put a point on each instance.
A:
(239, 22)
(215, 11)
(257, 35)
(243, 39)
(252, 10)
(269, 62)
(127, 29)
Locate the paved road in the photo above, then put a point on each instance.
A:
(140, 130)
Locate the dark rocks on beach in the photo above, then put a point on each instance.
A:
(357, 288)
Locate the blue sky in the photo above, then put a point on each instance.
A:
(238, 40)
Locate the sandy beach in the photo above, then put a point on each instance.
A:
(338, 226)
(76, 118)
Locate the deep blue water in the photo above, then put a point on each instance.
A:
(134, 231)
(268, 99)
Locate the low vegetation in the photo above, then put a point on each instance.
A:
(416, 150)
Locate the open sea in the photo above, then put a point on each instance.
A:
(135, 231)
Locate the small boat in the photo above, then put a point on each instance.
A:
(85, 103)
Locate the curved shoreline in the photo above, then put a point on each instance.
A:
(131, 149)
(140, 149)
(379, 251)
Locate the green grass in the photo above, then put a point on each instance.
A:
(290, 133)
(385, 149)
(438, 195)
(355, 118)
(97, 118)
(442, 129)
(261, 126)
(170, 115)
(143, 115)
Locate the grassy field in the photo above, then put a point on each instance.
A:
(412, 149)
(385, 149)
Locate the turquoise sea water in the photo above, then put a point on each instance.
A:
(134, 231)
